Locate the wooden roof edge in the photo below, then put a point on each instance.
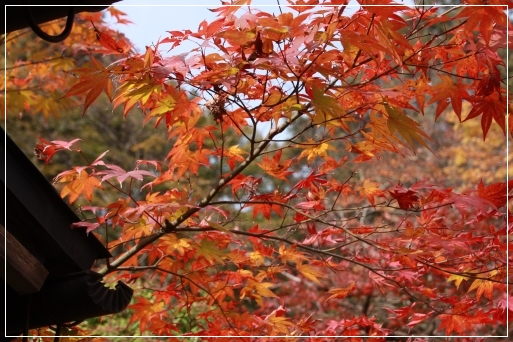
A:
(25, 274)
(16, 11)
(42, 203)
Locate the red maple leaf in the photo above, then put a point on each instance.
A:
(492, 108)
(404, 197)
(265, 203)
(112, 46)
(495, 193)
(448, 90)
(45, 149)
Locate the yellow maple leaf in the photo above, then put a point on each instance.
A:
(280, 323)
(234, 154)
(263, 289)
(457, 279)
(313, 149)
(310, 272)
(290, 254)
(257, 290)
(328, 110)
(210, 251)
(256, 258)
(172, 243)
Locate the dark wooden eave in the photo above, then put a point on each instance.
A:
(67, 298)
(25, 273)
(47, 264)
(39, 219)
(39, 223)
(15, 11)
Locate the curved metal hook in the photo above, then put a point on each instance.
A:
(43, 35)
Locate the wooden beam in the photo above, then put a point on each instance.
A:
(25, 274)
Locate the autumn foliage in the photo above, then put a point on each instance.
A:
(264, 218)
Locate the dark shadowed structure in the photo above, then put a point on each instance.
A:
(18, 13)
(48, 276)
(47, 270)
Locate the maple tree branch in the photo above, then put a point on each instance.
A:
(205, 201)
(425, 46)
(128, 194)
(316, 251)
(337, 247)
(360, 50)
(36, 62)
(265, 235)
(341, 188)
(427, 23)
(454, 60)
(422, 11)
(19, 89)
(449, 72)
(221, 158)
(279, 6)
(312, 218)
(21, 33)
(181, 276)
(315, 222)
(463, 274)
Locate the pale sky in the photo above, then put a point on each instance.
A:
(151, 21)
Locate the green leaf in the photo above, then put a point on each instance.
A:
(210, 251)
(407, 128)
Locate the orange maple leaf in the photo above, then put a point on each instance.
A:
(462, 323)
(369, 190)
(482, 286)
(273, 167)
(234, 155)
(225, 11)
(341, 292)
(458, 323)
(94, 81)
(145, 310)
(485, 16)
(83, 183)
